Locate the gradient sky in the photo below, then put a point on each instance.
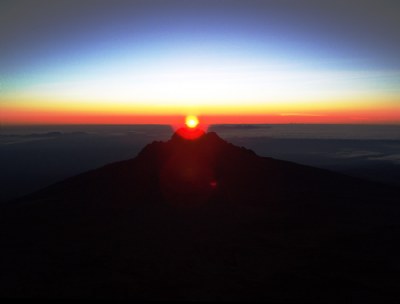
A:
(231, 61)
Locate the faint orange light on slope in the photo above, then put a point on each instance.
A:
(191, 121)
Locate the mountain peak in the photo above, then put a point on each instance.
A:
(199, 217)
(196, 137)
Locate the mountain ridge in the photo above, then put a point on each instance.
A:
(203, 219)
(156, 149)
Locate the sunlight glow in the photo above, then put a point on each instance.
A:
(191, 121)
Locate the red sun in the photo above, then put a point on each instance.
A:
(191, 130)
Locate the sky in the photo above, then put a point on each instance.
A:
(119, 62)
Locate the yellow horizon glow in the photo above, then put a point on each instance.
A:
(220, 90)
(200, 88)
(248, 107)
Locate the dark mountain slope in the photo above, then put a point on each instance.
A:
(204, 220)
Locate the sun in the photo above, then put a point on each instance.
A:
(191, 121)
(192, 129)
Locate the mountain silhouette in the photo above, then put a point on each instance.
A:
(202, 219)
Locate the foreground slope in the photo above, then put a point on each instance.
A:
(204, 220)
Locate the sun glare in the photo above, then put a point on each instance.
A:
(191, 121)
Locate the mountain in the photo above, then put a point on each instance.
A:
(202, 219)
